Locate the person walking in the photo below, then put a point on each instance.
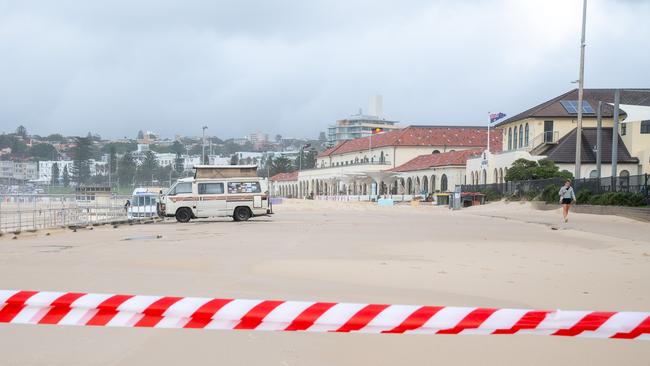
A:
(567, 197)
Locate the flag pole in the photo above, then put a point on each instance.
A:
(488, 134)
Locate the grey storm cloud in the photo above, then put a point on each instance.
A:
(292, 67)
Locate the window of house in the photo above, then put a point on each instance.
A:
(527, 134)
(623, 129)
(509, 138)
(645, 126)
(521, 135)
(210, 188)
(514, 139)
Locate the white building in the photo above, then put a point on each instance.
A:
(166, 159)
(18, 170)
(413, 160)
(361, 125)
(189, 161)
(45, 169)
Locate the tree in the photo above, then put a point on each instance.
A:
(112, 159)
(43, 151)
(127, 169)
(177, 148)
(179, 164)
(21, 131)
(66, 176)
(55, 137)
(148, 168)
(234, 159)
(308, 160)
(82, 152)
(523, 169)
(280, 164)
(54, 179)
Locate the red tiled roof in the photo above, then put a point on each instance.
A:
(420, 136)
(423, 162)
(285, 177)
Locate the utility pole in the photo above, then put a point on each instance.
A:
(599, 138)
(617, 101)
(581, 84)
(203, 146)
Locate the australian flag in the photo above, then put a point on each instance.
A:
(496, 116)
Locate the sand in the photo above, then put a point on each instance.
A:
(498, 255)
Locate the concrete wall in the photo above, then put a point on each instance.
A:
(636, 213)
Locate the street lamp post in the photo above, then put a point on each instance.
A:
(203, 146)
(581, 84)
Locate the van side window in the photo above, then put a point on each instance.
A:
(210, 188)
(181, 188)
(244, 187)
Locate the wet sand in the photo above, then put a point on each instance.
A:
(498, 255)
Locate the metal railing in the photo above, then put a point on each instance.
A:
(343, 165)
(34, 212)
(633, 183)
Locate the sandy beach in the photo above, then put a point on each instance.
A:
(497, 255)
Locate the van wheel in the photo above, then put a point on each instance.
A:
(241, 214)
(183, 215)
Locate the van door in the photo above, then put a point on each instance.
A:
(212, 200)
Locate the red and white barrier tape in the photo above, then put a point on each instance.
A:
(69, 308)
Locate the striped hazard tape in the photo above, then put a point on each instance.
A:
(72, 308)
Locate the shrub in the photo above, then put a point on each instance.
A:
(491, 195)
(531, 195)
(550, 194)
(617, 199)
(584, 195)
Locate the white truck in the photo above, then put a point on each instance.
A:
(217, 191)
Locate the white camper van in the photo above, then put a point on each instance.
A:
(232, 190)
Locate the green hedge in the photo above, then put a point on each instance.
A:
(617, 199)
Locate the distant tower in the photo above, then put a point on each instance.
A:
(376, 106)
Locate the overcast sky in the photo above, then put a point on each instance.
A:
(293, 67)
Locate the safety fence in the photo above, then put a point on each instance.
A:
(34, 212)
(87, 309)
(368, 198)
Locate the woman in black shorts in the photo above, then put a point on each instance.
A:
(566, 198)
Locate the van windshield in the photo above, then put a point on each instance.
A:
(180, 188)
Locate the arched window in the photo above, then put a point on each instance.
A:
(484, 177)
(514, 139)
(521, 135)
(593, 174)
(496, 175)
(409, 186)
(509, 138)
(381, 157)
(527, 135)
(443, 183)
(433, 183)
(425, 185)
(435, 152)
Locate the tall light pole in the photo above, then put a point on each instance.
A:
(581, 84)
(203, 146)
(302, 149)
